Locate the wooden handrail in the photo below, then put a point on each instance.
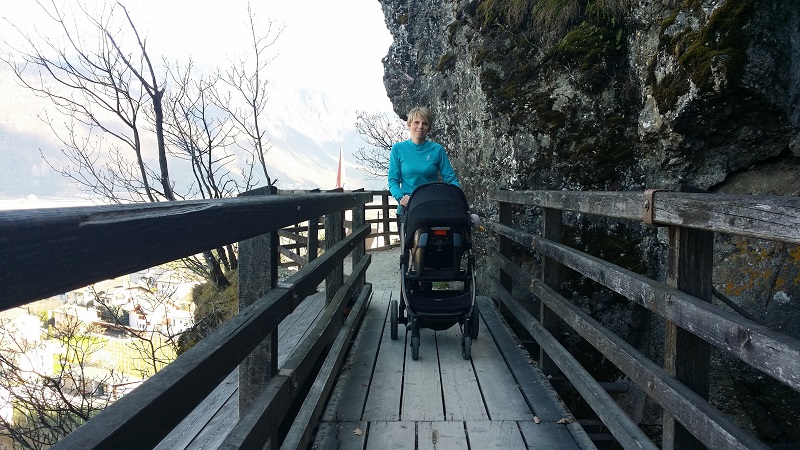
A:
(766, 217)
(101, 242)
(694, 319)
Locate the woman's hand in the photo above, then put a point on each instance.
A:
(404, 201)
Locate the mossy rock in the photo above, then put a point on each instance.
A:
(719, 43)
(593, 50)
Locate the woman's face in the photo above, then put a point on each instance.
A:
(418, 127)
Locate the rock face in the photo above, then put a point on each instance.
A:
(617, 95)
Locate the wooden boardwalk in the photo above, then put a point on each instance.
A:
(498, 399)
(385, 400)
(205, 428)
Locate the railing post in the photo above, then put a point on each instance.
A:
(313, 239)
(334, 232)
(686, 356)
(258, 273)
(359, 219)
(551, 275)
(506, 246)
(387, 224)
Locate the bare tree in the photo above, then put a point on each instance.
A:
(50, 398)
(380, 131)
(100, 75)
(247, 98)
(104, 91)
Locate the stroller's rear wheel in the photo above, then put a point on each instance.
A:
(473, 323)
(393, 319)
(415, 347)
(466, 346)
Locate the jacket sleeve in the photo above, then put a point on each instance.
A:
(393, 178)
(446, 170)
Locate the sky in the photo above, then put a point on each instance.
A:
(333, 48)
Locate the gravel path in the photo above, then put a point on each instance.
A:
(384, 269)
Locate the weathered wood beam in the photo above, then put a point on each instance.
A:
(714, 428)
(774, 218)
(771, 352)
(48, 252)
(621, 426)
(269, 410)
(161, 402)
(307, 418)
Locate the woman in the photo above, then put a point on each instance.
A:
(417, 161)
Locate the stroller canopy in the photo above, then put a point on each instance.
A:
(437, 204)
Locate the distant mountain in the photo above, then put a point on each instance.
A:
(306, 129)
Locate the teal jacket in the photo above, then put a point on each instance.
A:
(411, 165)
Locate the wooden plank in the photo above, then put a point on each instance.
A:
(623, 428)
(551, 275)
(297, 259)
(302, 320)
(341, 436)
(350, 394)
(441, 436)
(200, 419)
(504, 401)
(716, 428)
(306, 420)
(495, 434)
(548, 436)
(687, 357)
(213, 434)
(536, 388)
(765, 217)
(422, 385)
(265, 415)
(769, 351)
(383, 399)
(462, 395)
(391, 436)
(580, 437)
(160, 402)
(775, 218)
(50, 251)
(197, 421)
(624, 205)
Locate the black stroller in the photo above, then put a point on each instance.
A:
(436, 266)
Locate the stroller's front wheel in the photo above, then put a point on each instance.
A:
(393, 319)
(415, 347)
(466, 346)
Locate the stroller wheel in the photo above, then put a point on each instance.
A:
(415, 347)
(473, 323)
(466, 346)
(393, 319)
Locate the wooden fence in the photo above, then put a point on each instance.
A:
(300, 243)
(693, 324)
(51, 251)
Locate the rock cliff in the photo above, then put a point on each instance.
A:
(620, 95)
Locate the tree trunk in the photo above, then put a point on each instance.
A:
(232, 257)
(215, 272)
(223, 259)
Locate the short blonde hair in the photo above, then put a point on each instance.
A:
(421, 111)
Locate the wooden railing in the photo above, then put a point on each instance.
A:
(693, 324)
(51, 251)
(300, 243)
